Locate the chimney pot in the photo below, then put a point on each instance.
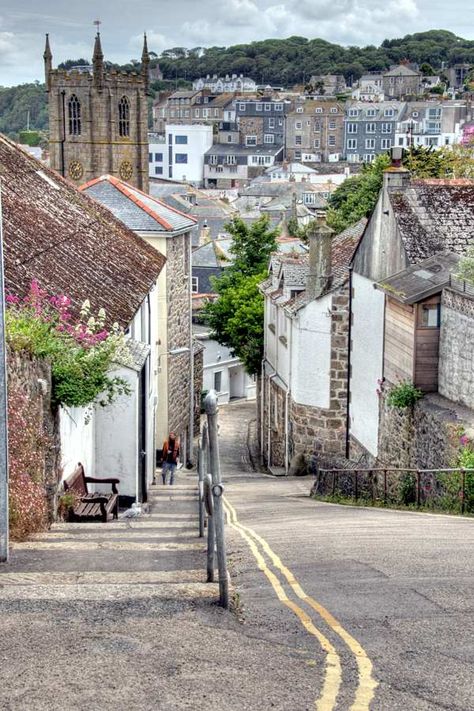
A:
(320, 267)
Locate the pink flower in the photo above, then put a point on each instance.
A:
(464, 440)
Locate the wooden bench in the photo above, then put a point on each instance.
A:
(91, 506)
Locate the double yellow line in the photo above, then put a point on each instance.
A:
(333, 672)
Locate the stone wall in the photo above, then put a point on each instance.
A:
(425, 436)
(251, 126)
(273, 423)
(198, 385)
(456, 348)
(322, 431)
(33, 378)
(179, 324)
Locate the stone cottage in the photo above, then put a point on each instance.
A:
(303, 398)
(169, 231)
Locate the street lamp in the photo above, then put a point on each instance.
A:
(172, 352)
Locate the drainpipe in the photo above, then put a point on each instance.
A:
(269, 418)
(348, 376)
(191, 355)
(287, 401)
(262, 407)
(63, 139)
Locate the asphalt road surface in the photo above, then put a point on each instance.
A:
(379, 605)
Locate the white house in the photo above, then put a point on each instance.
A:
(72, 245)
(219, 85)
(304, 373)
(179, 154)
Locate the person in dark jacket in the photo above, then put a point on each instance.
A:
(170, 457)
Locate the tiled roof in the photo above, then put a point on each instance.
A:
(138, 352)
(137, 210)
(421, 280)
(434, 216)
(68, 242)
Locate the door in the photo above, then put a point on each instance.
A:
(142, 430)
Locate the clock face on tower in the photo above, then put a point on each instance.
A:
(76, 170)
(126, 170)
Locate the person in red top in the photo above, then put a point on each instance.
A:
(170, 457)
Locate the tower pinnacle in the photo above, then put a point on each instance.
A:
(145, 63)
(48, 62)
(98, 61)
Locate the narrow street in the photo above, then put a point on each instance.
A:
(379, 604)
(335, 608)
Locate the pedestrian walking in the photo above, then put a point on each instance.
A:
(170, 457)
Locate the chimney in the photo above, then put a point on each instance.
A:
(320, 242)
(396, 176)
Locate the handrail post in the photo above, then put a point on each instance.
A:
(418, 482)
(211, 538)
(201, 489)
(210, 404)
(463, 490)
(385, 487)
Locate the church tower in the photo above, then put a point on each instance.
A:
(98, 120)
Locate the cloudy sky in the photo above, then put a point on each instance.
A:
(192, 23)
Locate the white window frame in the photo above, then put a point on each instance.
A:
(371, 127)
(352, 144)
(278, 107)
(387, 128)
(251, 141)
(195, 285)
(298, 125)
(351, 128)
(386, 144)
(268, 138)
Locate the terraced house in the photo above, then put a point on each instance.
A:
(315, 132)
(370, 129)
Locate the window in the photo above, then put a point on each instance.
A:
(216, 113)
(386, 128)
(74, 114)
(150, 157)
(317, 143)
(415, 114)
(229, 138)
(181, 158)
(331, 141)
(159, 157)
(297, 155)
(332, 125)
(369, 157)
(186, 113)
(371, 112)
(401, 141)
(182, 140)
(434, 114)
(278, 107)
(370, 143)
(298, 125)
(250, 140)
(430, 315)
(351, 144)
(218, 381)
(172, 114)
(205, 113)
(269, 138)
(268, 107)
(268, 159)
(353, 112)
(388, 112)
(231, 160)
(258, 106)
(317, 126)
(212, 160)
(386, 143)
(318, 110)
(333, 109)
(196, 113)
(297, 140)
(124, 116)
(271, 123)
(195, 285)
(299, 110)
(370, 128)
(242, 107)
(158, 170)
(351, 128)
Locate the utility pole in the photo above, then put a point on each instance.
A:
(3, 410)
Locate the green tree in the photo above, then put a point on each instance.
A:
(236, 316)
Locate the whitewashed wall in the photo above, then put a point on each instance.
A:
(367, 361)
(311, 354)
(77, 435)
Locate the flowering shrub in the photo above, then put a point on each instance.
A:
(81, 352)
(26, 445)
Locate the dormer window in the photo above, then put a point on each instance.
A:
(124, 117)
(74, 115)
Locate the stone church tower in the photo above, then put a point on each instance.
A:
(98, 120)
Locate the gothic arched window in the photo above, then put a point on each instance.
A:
(74, 113)
(124, 116)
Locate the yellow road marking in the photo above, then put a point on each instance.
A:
(333, 673)
(366, 682)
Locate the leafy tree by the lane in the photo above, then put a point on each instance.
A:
(236, 316)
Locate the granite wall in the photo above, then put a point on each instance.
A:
(456, 348)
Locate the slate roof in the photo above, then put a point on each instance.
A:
(137, 210)
(138, 352)
(223, 149)
(421, 280)
(434, 216)
(401, 70)
(68, 242)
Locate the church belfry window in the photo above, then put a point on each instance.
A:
(74, 114)
(124, 117)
